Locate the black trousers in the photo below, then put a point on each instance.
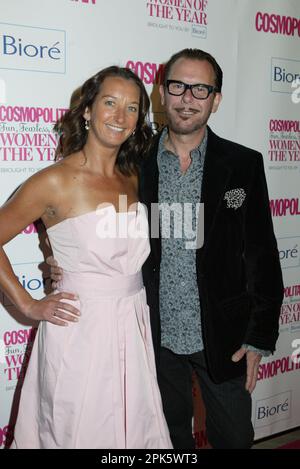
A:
(228, 405)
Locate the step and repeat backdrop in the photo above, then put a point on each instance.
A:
(49, 47)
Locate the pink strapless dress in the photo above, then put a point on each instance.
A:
(93, 384)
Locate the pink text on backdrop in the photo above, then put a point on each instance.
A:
(277, 24)
(188, 11)
(149, 73)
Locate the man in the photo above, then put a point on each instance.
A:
(214, 308)
(219, 305)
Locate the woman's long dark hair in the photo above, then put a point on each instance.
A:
(71, 127)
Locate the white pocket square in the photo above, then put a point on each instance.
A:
(235, 198)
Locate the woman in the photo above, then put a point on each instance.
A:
(91, 384)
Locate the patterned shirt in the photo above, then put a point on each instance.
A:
(179, 200)
(179, 298)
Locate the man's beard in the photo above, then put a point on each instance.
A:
(180, 129)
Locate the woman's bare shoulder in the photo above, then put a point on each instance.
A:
(56, 174)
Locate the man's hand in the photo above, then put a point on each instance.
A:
(253, 360)
(55, 271)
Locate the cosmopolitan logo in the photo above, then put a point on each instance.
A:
(290, 310)
(284, 72)
(32, 49)
(150, 73)
(284, 150)
(189, 11)
(30, 114)
(22, 336)
(283, 207)
(289, 252)
(284, 142)
(18, 347)
(280, 125)
(272, 409)
(290, 314)
(25, 146)
(26, 134)
(292, 291)
(277, 24)
(276, 367)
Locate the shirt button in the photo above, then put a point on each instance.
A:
(182, 284)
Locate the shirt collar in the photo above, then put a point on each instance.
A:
(200, 149)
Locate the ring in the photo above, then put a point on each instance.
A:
(55, 313)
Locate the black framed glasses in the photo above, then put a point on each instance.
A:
(199, 90)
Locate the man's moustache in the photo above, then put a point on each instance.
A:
(190, 109)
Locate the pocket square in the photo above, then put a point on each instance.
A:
(235, 198)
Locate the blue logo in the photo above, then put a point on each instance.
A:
(272, 409)
(289, 252)
(32, 49)
(283, 73)
(199, 31)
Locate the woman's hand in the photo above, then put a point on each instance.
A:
(53, 309)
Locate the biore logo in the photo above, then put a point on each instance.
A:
(272, 409)
(283, 207)
(189, 11)
(32, 49)
(277, 24)
(289, 252)
(149, 73)
(30, 284)
(283, 73)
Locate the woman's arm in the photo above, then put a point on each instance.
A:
(28, 204)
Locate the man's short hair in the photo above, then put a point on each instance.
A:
(195, 54)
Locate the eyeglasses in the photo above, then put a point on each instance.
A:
(199, 90)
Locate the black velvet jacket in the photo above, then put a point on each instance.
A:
(238, 269)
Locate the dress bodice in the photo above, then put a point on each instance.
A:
(102, 241)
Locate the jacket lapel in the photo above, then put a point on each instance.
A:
(215, 179)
